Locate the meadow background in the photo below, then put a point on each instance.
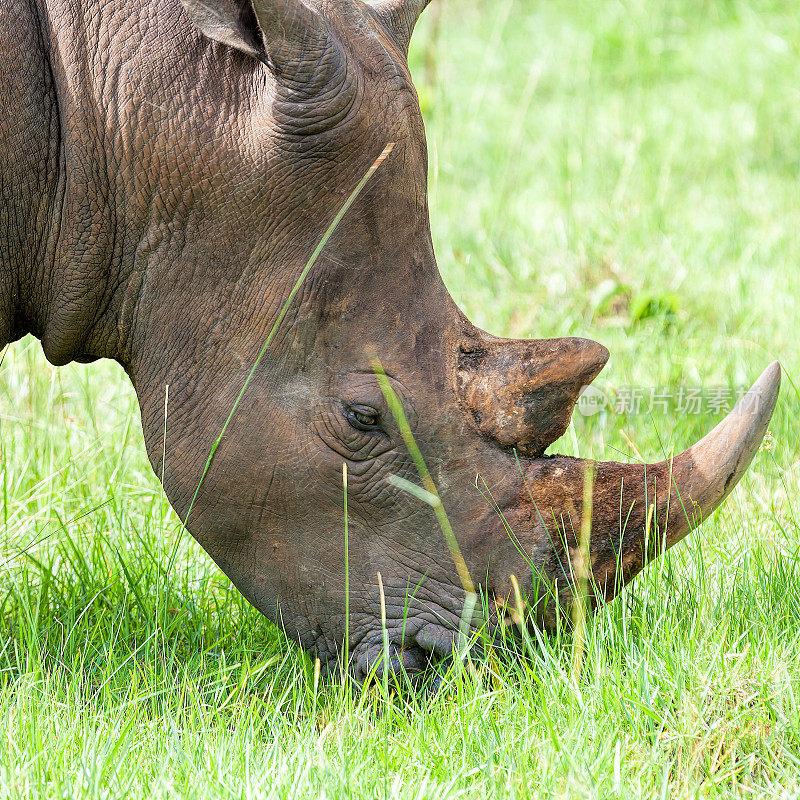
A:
(626, 171)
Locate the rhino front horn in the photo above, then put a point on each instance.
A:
(640, 510)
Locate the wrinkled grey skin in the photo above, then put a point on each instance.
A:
(161, 192)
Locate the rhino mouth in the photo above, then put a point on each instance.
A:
(413, 658)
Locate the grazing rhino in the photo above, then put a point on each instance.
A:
(167, 169)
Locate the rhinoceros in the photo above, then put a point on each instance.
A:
(167, 170)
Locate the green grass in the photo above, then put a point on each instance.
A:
(622, 170)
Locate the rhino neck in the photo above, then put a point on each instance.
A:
(105, 156)
(32, 170)
(72, 275)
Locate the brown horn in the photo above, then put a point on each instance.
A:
(521, 392)
(399, 17)
(640, 510)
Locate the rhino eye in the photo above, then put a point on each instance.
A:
(362, 418)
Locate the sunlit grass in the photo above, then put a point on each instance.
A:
(625, 171)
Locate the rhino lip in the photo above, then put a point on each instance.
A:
(637, 510)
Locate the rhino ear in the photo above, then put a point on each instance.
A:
(399, 17)
(283, 34)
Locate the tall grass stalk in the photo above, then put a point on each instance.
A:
(581, 570)
(429, 494)
(384, 681)
(346, 660)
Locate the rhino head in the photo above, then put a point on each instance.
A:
(259, 117)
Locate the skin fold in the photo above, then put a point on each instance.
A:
(167, 169)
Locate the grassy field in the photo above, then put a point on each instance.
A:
(626, 171)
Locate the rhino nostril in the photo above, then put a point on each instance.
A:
(411, 659)
(436, 640)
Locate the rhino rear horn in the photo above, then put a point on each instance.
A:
(286, 35)
(521, 392)
(399, 17)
